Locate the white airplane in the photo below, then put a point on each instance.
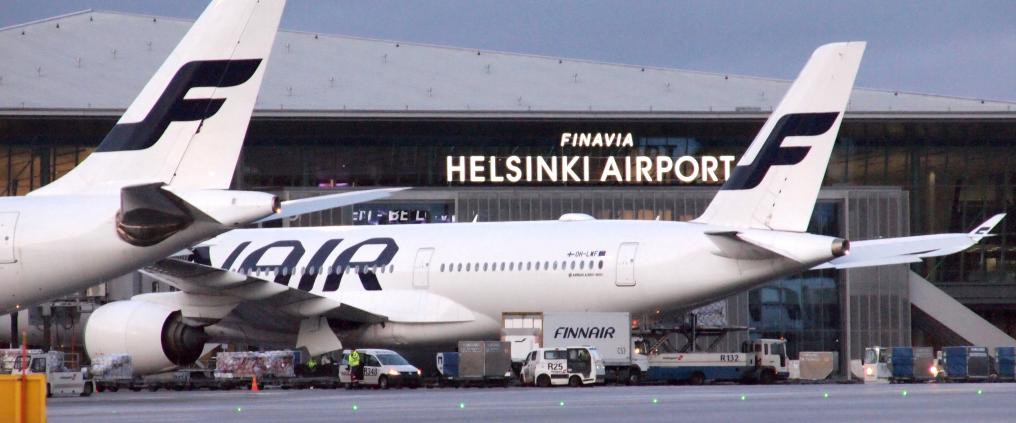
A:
(434, 284)
(158, 182)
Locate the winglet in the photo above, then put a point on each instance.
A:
(983, 229)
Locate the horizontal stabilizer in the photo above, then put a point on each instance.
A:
(293, 208)
(911, 249)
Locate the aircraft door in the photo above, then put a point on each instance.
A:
(421, 268)
(7, 222)
(626, 264)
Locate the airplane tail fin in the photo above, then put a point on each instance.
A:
(187, 125)
(776, 182)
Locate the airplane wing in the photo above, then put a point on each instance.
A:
(911, 249)
(411, 306)
(293, 208)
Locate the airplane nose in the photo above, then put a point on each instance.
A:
(841, 247)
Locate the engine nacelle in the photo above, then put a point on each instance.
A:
(154, 335)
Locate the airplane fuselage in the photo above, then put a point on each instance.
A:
(466, 276)
(57, 245)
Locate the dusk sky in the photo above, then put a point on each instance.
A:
(960, 48)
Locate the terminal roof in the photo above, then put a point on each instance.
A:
(99, 60)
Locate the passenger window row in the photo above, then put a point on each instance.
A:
(311, 270)
(519, 266)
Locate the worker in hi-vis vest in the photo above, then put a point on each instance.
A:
(355, 368)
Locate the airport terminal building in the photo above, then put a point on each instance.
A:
(493, 136)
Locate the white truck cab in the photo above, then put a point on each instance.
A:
(381, 368)
(574, 366)
(876, 365)
(770, 359)
(60, 380)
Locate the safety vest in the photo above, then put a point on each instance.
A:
(354, 358)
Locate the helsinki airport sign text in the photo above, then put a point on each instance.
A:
(588, 169)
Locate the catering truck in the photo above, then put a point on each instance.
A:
(608, 332)
(762, 360)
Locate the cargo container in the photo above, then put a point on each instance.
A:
(112, 372)
(911, 364)
(965, 364)
(479, 362)
(1005, 363)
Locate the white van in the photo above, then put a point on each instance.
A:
(573, 366)
(381, 368)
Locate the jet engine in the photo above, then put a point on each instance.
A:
(154, 335)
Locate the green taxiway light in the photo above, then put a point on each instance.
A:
(462, 405)
(904, 393)
(979, 392)
(356, 407)
(743, 397)
(561, 403)
(239, 409)
(656, 401)
(825, 395)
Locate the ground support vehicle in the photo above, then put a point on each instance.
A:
(573, 366)
(763, 361)
(60, 380)
(876, 365)
(381, 369)
(483, 363)
(609, 332)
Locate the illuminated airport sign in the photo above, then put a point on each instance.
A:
(586, 168)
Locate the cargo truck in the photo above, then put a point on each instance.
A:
(608, 332)
(762, 361)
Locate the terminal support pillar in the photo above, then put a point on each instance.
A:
(15, 339)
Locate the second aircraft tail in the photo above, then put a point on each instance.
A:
(776, 182)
